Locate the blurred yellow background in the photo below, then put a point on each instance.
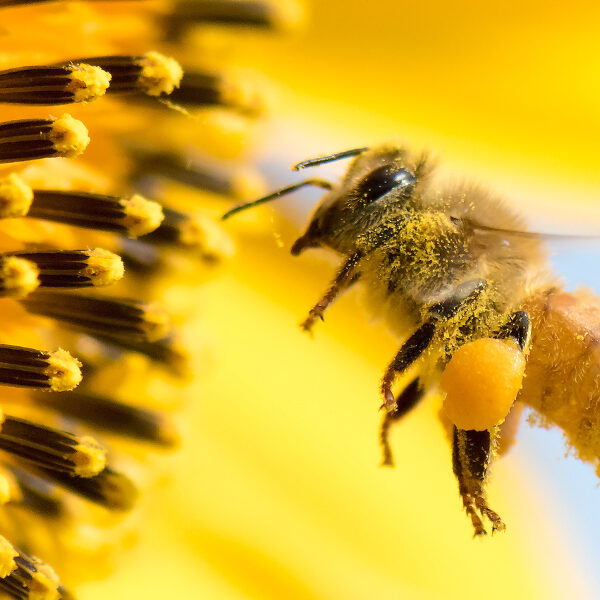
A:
(276, 493)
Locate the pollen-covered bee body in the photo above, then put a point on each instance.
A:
(466, 288)
(420, 243)
(453, 271)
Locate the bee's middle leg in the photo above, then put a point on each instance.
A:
(417, 343)
(470, 461)
(406, 401)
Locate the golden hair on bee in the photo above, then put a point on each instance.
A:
(467, 290)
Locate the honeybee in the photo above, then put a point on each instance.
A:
(467, 290)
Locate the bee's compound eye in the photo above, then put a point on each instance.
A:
(481, 382)
(383, 179)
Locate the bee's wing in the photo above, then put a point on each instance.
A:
(531, 235)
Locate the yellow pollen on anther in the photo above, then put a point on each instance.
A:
(69, 136)
(160, 74)
(44, 583)
(157, 323)
(88, 82)
(206, 237)
(63, 371)
(15, 197)
(5, 489)
(89, 457)
(7, 557)
(103, 267)
(18, 276)
(142, 215)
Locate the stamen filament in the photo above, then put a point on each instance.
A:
(51, 448)
(4, 3)
(75, 268)
(97, 315)
(51, 85)
(133, 216)
(152, 73)
(109, 488)
(31, 580)
(34, 493)
(140, 256)
(193, 232)
(244, 13)
(162, 351)
(32, 139)
(114, 416)
(203, 89)
(27, 367)
(204, 175)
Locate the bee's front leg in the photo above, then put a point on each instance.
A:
(470, 461)
(345, 278)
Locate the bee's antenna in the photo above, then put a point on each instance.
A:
(320, 160)
(322, 183)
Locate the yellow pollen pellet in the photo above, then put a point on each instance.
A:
(481, 382)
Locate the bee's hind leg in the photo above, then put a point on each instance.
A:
(518, 327)
(406, 401)
(470, 461)
(471, 449)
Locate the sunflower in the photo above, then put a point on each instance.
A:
(70, 222)
(279, 495)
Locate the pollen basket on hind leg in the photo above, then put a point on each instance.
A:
(481, 382)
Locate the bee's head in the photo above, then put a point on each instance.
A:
(380, 184)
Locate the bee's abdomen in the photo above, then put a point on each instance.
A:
(562, 381)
